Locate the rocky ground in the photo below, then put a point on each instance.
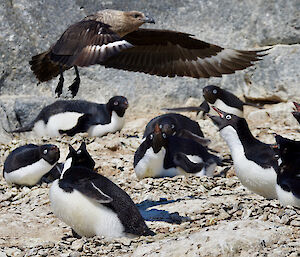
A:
(191, 216)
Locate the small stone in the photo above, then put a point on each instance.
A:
(295, 223)
(3, 254)
(77, 245)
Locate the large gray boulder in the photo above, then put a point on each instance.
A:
(30, 27)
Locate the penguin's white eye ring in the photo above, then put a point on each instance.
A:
(172, 126)
(45, 151)
(164, 135)
(79, 152)
(215, 91)
(160, 126)
(116, 103)
(151, 136)
(228, 117)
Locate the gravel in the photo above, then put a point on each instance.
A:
(191, 216)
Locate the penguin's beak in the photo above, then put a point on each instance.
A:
(221, 113)
(125, 105)
(297, 106)
(158, 140)
(219, 121)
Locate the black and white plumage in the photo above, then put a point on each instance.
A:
(163, 155)
(255, 162)
(113, 38)
(79, 157)
(219, 98)
(27, 164)
(74, 116)
(93, 205)
(288, 177)
(177, 124)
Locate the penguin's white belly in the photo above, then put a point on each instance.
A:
(257, 179)
(151, 165)
(226, 108)
(60, 121)
(287, 198)
(116, 124)
(30, 174)
(86, 216)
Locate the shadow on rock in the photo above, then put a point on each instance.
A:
(160, 215)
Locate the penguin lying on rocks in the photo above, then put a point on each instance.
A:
(164, 155)
(79, 157)
(75, 116)
(179, 125)
(93, 205)
(26, 165)
(288, 177)
(255, 162)
(221, 99)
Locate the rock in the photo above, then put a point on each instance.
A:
(27, 28)
(77, 245)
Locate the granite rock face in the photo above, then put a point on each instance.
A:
(30, 27)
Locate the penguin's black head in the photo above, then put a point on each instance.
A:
(167, 126)
(50, 153)
(225, 119)
(157, 138)
(81, 157)
(212, 93)
(119, 104)
(288, 149)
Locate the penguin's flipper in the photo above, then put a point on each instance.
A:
(184, 109)
(182, 161)
(82, 125)
(189, 135)
(53, 174)
(88, 187)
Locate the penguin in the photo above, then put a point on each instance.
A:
(177, 124)
(221, 99)
(288, 177)
(79, 157)
(163, 155)
(296, 113)
(75, 116)
(27, 164)
(255, 162)
(93, 205)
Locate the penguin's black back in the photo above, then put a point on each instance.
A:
(21, 157)
(180, 121)
(231, 99)
(288, 176)
(80, 178)
(79, 106)
(255, 150)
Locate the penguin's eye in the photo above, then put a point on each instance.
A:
(45, 151)
(228, 117)
(79, 152)
(160, 126)
(116, 103)
(215, 91)
(164, 135)
(172, 126)
(151, 136)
